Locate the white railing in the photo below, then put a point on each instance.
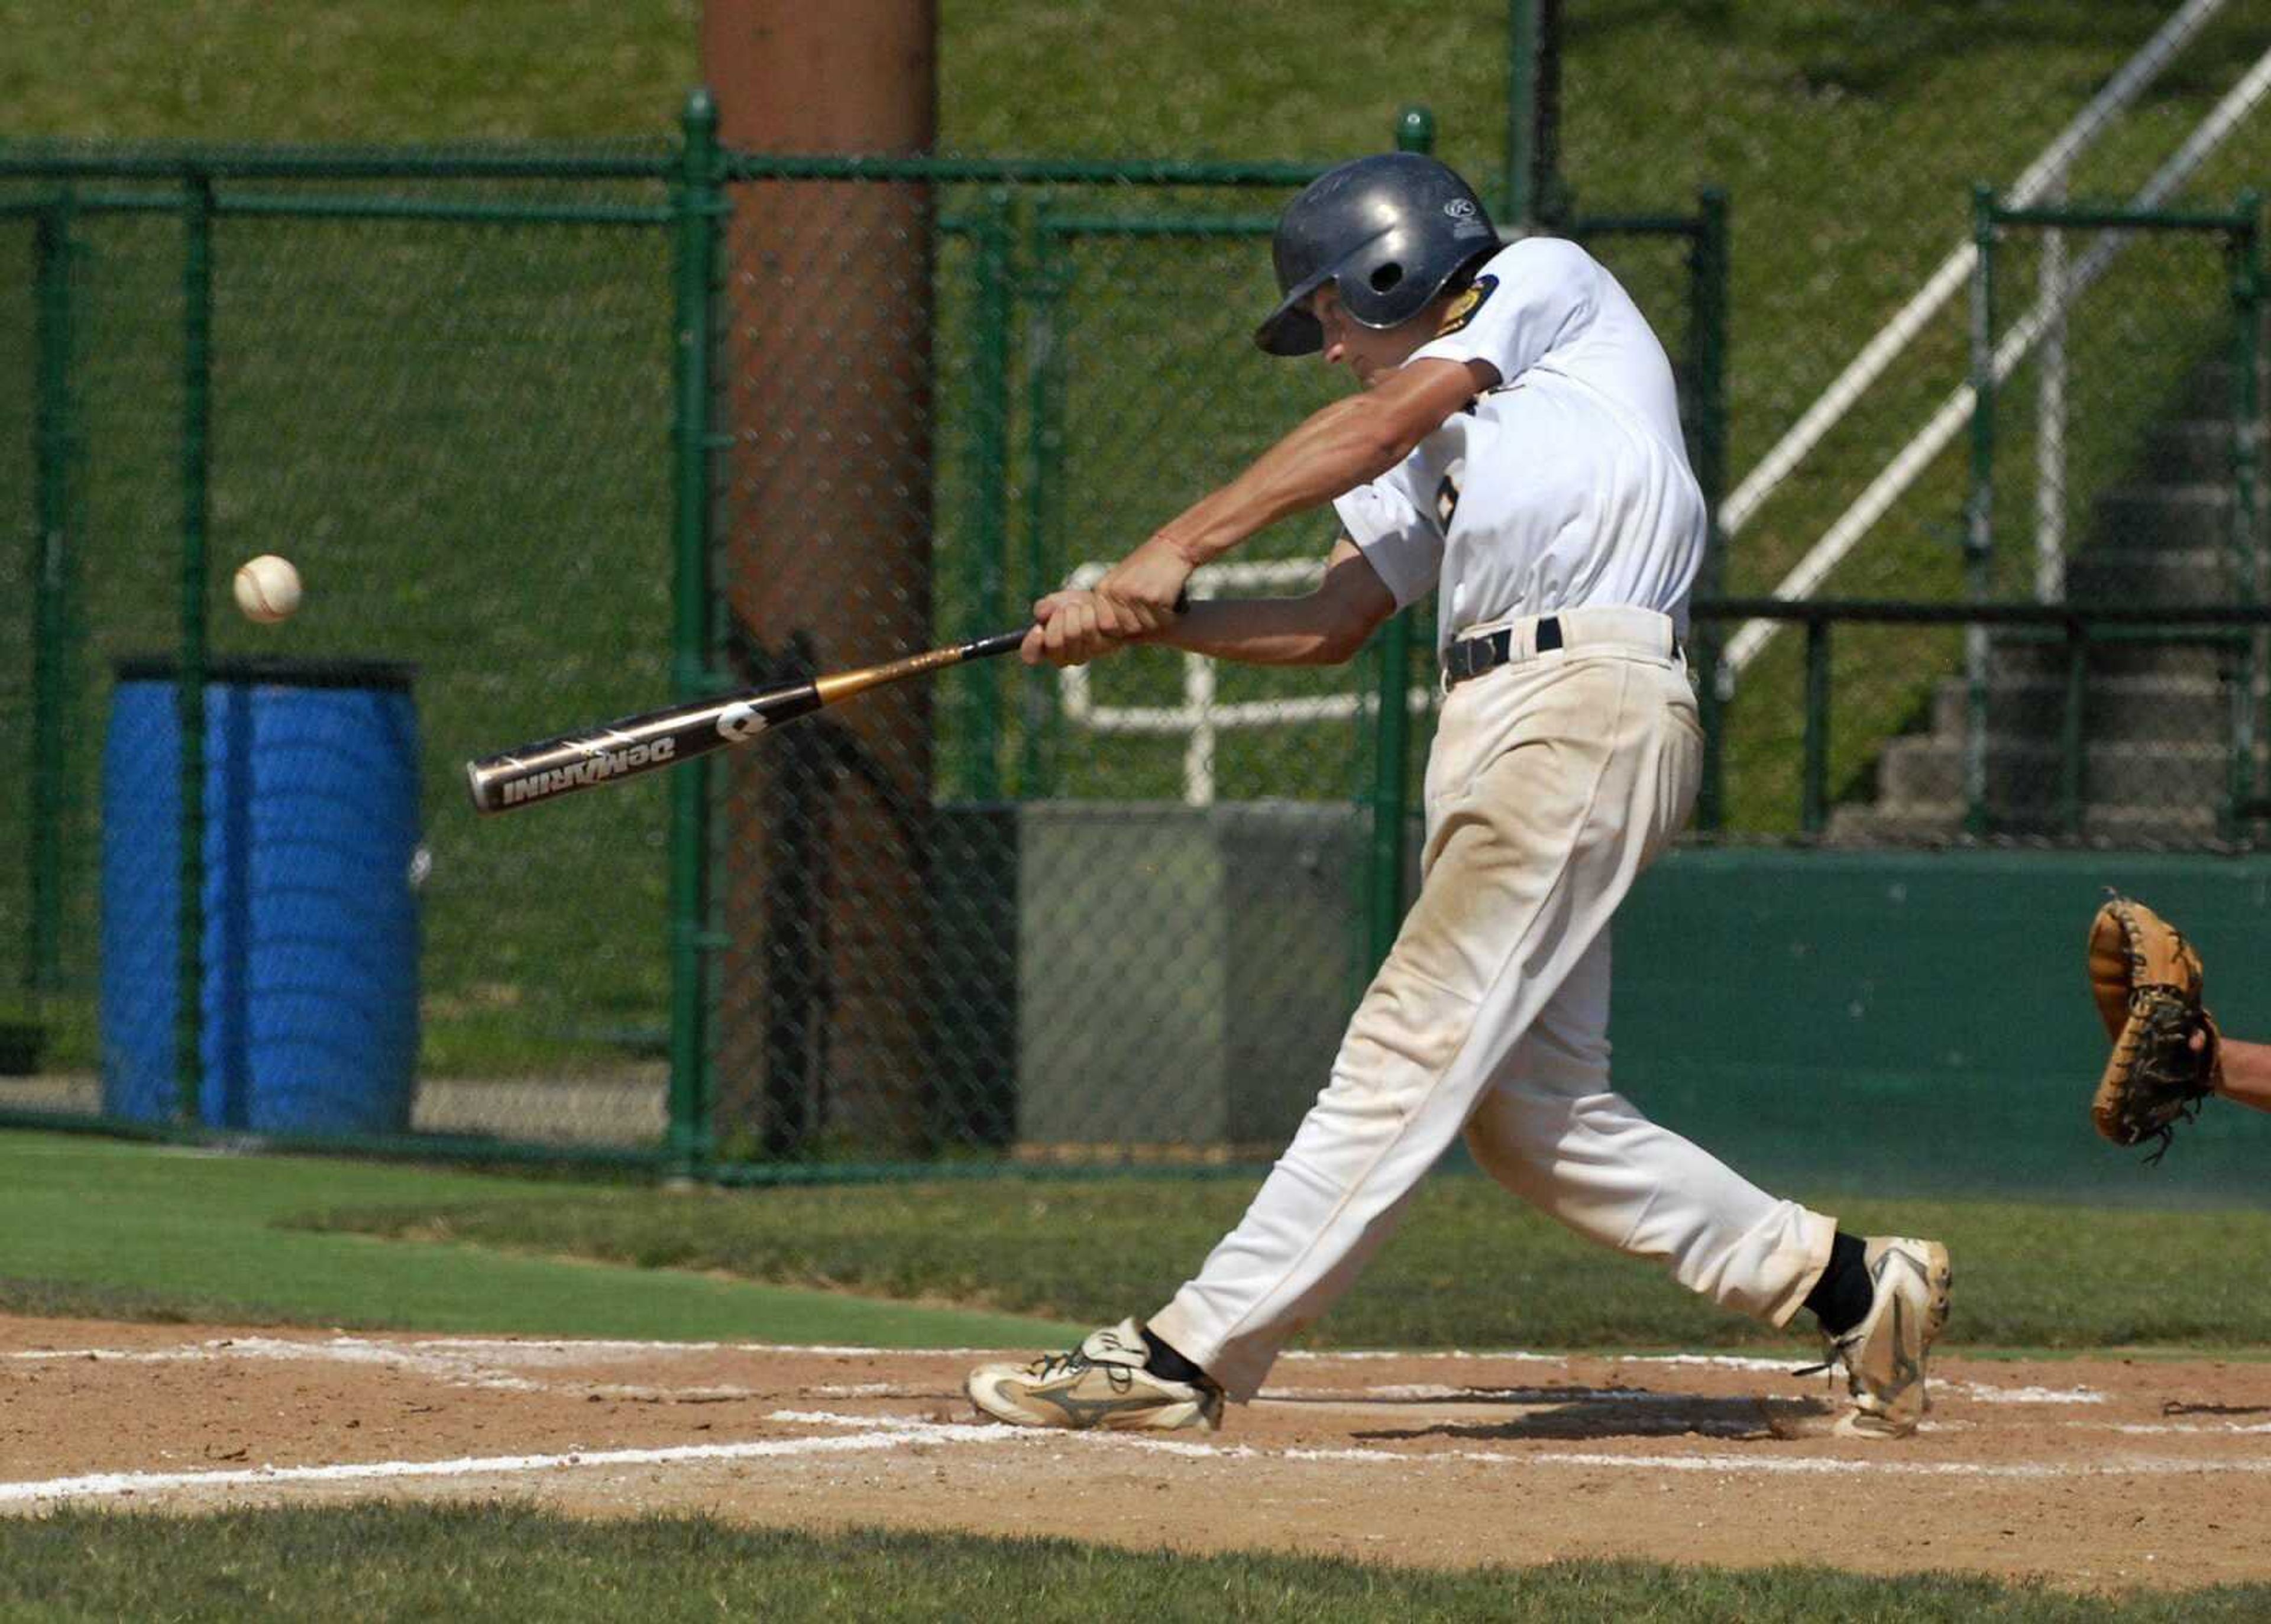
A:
(2043, 178)
(2057, 297)
(1201, 717)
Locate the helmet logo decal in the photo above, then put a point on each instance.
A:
(1460, 208)
(1463, 308)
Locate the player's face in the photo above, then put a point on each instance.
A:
(1370, 354)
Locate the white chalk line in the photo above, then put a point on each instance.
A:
(535, 1349)
(466, 1360)
(122, 1483)
(489, 1364)
(869, 1434)
(1722, 1463)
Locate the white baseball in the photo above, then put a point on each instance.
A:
(267, 588)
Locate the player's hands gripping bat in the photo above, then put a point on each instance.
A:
(2146, 979)
(551, 768)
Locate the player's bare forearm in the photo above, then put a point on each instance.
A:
(1258, 631)
(1332, 452)
(1324, 628)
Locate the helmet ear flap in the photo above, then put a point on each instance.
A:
(1291, 332)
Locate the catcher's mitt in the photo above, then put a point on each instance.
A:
(2146, 980)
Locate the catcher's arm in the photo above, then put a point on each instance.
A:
(2246, 1072)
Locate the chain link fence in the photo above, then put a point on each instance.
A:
(444, 388)
(448, 401)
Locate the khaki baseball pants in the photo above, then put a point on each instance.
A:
(1553, 781)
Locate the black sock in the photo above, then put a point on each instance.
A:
(1161, 1361)
(1841, 1298)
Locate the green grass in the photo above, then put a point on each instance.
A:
(1470, 1267)
(90, 1227)
(188, 1235)
(513, 1562)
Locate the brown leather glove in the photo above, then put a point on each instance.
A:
(2146, 979)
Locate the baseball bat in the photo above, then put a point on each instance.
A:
(624, 748)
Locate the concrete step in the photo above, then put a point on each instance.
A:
(2136, 518)
(2012, 659)
(2207, 391)
(1942, 822)
(1925, 768)
(2143, 578)
(2190, 452)
(2137, 706)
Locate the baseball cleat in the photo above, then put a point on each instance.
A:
(1884, 1355)
(1102, 1382)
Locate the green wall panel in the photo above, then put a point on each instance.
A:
(1890, 1022)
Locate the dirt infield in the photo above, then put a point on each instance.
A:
(2093, 1473)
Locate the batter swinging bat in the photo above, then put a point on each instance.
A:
(552, 767)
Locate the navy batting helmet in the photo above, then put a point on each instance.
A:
(1390, 230)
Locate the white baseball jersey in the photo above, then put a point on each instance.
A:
(1568, 484)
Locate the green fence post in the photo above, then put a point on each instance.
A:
(699, 202)
(53, 438)
(1707, 343)
(991, 319)
(1813, 812)
(2073, 747)
(2246, 246)
(189, 693)
(1415, 132)
(1979, 514)
(1044, 289)
(1533, 190)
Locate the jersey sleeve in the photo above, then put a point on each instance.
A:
(1528, 301)
(1403, 548)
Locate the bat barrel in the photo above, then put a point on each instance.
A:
(657, 739)
(625, 748)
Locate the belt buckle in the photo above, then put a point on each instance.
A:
(1471, 657)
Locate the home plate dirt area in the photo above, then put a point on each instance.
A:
(2093, 1473)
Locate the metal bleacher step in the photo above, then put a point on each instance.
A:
(1929, 767)
(2208, 391)
(2190, 452)
(2155, 519)
(2131, 706)
(2146, 577)
(1942, 822)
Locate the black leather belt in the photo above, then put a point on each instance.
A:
(1471, 657)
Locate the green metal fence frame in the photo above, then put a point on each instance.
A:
(55, 439)
(2239, 231)
(190, 183)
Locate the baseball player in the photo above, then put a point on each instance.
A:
(1514, 447)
